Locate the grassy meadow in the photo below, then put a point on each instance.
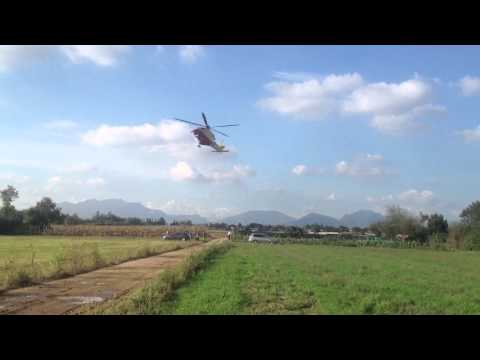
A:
(26, 259)
(306, 279)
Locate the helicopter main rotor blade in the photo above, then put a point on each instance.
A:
(220, 132)
(205, 119)
(226, 125)
(189, 122)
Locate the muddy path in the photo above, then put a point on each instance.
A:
(63, 296)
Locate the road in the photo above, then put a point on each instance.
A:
(63, 296)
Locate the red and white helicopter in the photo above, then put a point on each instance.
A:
(205, 135)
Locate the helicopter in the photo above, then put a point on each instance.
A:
(205, 135)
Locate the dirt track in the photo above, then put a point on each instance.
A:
(63, 296)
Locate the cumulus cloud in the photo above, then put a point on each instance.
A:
(361, 165)
(471, 135)
(311, 97)
(191, 53)
(12, 56)
(165, 132)
(183, 171)
(470, 85)
(394, 108)
(398, 124)
(102, 55)
(388, 98)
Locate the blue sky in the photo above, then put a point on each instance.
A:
(330, 129)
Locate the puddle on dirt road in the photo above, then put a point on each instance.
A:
(81, 300)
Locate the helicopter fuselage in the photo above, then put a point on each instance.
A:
(206, 138)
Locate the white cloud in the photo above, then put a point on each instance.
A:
(412, 200)
(164, 132)
(303, 170)
(342, 168)
(388, 98)
(191, 53)
(175, 207)
(361, 165)
(310, 97)
(394, 108)
(61, 125)
(182, 171)
(12, 56)
(102, 55)
(238, 173)
(416, 196)
(374, 157)
(398, 124)
(331, 197)
(470, 85)
(299, 170)
(471, 135)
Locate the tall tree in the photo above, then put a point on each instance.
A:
(437, 224)
(471, 214)
(8, 195)
(44, 213)
(11, 220)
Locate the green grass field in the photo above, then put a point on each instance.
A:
(311, 279)
(18, 251)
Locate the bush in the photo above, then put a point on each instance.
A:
(472, 240)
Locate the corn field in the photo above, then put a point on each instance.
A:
(131, 230)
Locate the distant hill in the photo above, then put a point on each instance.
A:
(87, 209)
(361, 218)
(314, 218)
(264, 217)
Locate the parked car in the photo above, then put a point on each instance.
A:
(260, 237)
(175, 236)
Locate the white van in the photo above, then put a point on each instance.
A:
(259, 237)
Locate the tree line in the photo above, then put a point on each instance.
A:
(38, 219)
(399, 224)
(35, 219)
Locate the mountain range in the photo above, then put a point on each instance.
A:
(87, 209)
